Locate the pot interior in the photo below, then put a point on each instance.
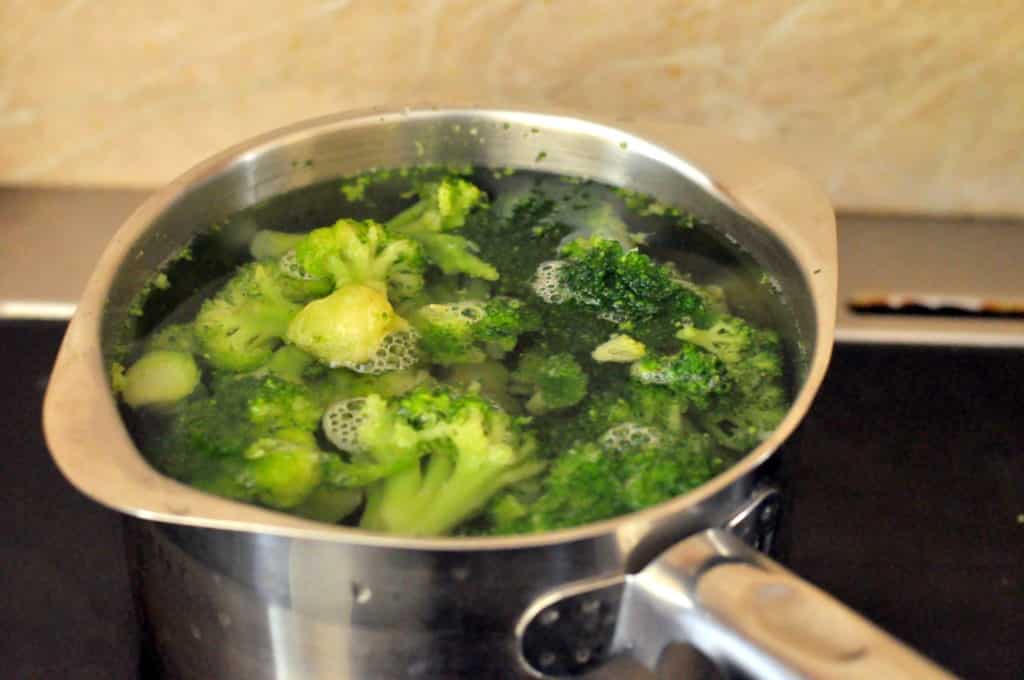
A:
(291, 180)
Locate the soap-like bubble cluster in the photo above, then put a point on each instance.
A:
(547, 282)
(626, 436)
(341, 422)
(397, 351)
(289, 264)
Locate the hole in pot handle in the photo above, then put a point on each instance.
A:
(731, 602)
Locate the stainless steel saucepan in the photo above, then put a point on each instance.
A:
(229, 590)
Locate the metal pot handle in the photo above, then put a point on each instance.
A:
(735, 605)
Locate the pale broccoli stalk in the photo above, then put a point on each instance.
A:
(361, 252)
(475, 450)
(329, 504)
(552, 381)
(620, 349)
(273, 244)
(239, 328)
(346, 328)
(600, 221)
(473, 331)
(443, 207)
(158, 379)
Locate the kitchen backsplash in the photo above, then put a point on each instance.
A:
(894, 105)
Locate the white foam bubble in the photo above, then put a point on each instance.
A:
(341, 422)
(627, 436)
(547, 283)
(397, 351)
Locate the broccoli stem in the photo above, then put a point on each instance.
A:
(272, 244)
(160, 378)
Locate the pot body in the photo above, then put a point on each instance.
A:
(229, 604)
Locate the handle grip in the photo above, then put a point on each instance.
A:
(749, 613)
(739, 608)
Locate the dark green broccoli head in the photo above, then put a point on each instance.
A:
(552, 381)
(499, 235)
(239, 410)
(692, 374)
(572, 327)
(625, 286)
(591, 482)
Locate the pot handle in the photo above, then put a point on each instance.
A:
(738, 607)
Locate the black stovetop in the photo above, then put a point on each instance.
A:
(905, 497)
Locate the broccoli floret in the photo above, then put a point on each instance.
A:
(239, 328)
(282, 470)
(692, 374)
(502, 233)
(473, 450)
(570, 327)
(238, 411)
(757, 401)
(591, 482)
(378, 442)
(634, 404)
(206, 437)
(625, 286)
(619, 349)
(728, 337)
(158, 379)
(743, 420)
(443, 207)
(473, 330)
(552, 381)
(362, 252)
(287, 471)
(347, 327)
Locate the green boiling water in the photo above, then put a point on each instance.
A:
(670, 235)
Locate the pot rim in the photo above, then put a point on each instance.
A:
(768, 193)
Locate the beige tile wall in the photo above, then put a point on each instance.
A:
(895, 105)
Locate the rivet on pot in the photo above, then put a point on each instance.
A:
(360, 593)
